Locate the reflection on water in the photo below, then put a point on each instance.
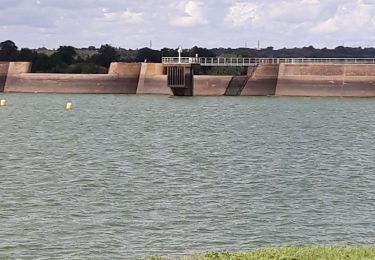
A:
(130, 176)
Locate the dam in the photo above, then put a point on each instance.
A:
(175, 76)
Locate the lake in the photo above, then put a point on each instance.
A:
(124, 176)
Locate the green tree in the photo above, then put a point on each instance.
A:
(66, 54)
(166, 52)
(42, 63)
(202, 52)
(8, 51)
(147, 54)
(106, 55)
(26, 54)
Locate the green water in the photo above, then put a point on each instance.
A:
(130, 176)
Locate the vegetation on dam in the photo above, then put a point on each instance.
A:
(291, 253)
(68, 59)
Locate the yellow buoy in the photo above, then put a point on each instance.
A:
(3, 103)
(69, 106)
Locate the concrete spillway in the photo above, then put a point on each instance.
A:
(320, 80)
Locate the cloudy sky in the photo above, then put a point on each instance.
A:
(206, 23)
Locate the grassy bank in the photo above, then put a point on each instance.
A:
(292, 253)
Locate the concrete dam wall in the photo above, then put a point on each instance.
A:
(316, 80)
(122, 78)
(329, 80)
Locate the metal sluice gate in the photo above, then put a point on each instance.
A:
(176, 76)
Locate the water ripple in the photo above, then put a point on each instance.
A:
(130, 176)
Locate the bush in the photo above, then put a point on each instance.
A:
(86, 68)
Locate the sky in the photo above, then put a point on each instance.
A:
(187, 23)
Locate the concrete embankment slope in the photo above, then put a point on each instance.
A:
(153, 80)
(4, 66)
(121, 79)
(328, 80)
(262, 81)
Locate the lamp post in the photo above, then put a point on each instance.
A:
(179, 54)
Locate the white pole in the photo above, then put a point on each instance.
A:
(179, 54)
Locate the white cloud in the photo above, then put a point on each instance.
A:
(126, 16)
(294, 11)
(349, 17)
(242, 14)
(193, 15)
(132, 17)
(207, 23)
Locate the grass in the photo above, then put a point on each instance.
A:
(290, 253)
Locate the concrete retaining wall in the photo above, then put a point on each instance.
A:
(4, 66)
(70, 83)
(262, 82)
(327, 80)
(122, 79)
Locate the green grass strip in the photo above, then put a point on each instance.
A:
(290, 253)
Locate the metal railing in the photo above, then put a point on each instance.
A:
(255, 61)
(182, 60)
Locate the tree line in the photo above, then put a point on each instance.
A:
(68, 59)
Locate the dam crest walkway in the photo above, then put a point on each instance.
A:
(236, 62)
